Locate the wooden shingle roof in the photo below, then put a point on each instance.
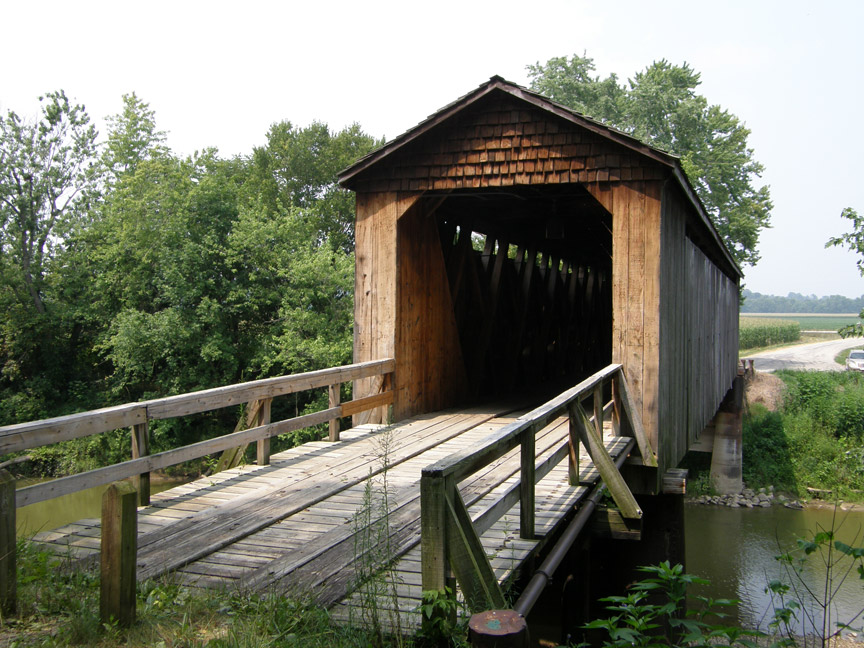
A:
(502, 134)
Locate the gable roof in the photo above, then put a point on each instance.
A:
(497, 84)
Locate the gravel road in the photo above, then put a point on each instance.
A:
(816, 356)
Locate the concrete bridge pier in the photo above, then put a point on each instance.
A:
(726, 456)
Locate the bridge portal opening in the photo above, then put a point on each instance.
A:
(529, 270)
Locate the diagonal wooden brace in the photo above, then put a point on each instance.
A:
(468, 559)
(604, 464)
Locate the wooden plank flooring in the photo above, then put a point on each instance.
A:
(317, 517)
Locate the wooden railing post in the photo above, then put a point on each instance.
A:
(526, 486)
(333, 401)
(118, 554)
(620, 423)
(598, 409)
(434, 569)
(141, 448)
(8, 569)
(573, 448)
(263, 445)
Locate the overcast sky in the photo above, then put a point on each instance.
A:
(219, 73)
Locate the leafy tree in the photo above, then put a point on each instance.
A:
(854, 241)
(47, 181)
(298, 168)
(132, 137)
(660, 106)
(45, 171)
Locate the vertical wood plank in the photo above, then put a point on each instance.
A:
(118, 554)
(262, 417)
(433, 522)
(598, 409)
(141, 448)
(333, 399)
(8, 566)
(573, 450)
(526, 485)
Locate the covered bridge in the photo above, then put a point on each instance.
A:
(508, 241)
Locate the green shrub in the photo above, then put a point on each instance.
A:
(766, 454)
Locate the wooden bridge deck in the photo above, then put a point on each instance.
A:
(311, 521)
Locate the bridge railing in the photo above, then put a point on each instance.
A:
(255, 426)
(451, 539)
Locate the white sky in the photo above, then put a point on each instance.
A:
(219, 73)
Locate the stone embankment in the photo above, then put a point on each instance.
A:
(749, 498)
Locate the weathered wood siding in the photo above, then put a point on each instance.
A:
(698, 333)
(375, 281)
(635, 209)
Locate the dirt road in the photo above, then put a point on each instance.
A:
(816, 356)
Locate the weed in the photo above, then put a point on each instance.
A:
(806, 609)
(657, 612)
(376, 579)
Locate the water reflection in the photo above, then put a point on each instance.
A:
(59, 511)
(736, 548)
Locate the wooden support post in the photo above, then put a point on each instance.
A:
(620, 423)
(8, 573)
(119, 552)
(573, 446)
(333, 401)
(434, 570)
(498, 629)
(526, 485)
(141, 448)
(263, 445)
(598, 409)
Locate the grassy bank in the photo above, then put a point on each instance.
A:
(57, 607)
(815, 439)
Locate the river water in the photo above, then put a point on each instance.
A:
(735, 549)
(56, 512)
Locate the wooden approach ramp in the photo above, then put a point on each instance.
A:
(312, 520)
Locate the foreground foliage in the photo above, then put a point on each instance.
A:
(61, 608)
(802, 608)
(658, 612)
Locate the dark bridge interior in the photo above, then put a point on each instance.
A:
(530, 272)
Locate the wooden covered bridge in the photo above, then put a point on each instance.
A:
(530, 285)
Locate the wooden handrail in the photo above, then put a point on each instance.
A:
(450, 539)
(36, 433)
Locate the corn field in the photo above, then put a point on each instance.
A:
(762, 332)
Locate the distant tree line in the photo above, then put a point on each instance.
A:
(797, 303)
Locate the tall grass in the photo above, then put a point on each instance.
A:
(762, 332)
(817, 440)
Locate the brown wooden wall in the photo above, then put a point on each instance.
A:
(635, 208)
(699, 332)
